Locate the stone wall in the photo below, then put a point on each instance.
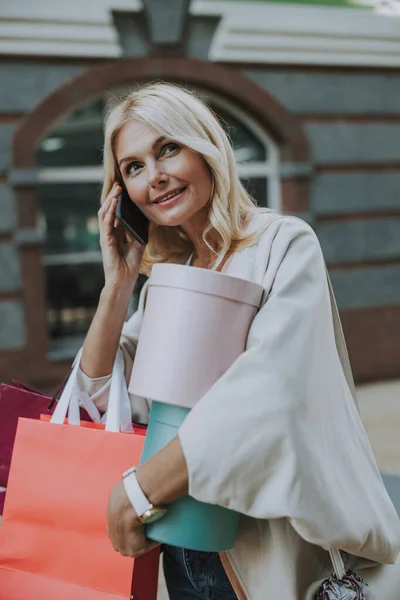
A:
(352, 121)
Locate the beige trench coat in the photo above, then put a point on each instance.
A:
(294, 458)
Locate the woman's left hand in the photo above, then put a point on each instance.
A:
(125, 530)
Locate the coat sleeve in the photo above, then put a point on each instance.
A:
(279, 435)
(98, 389)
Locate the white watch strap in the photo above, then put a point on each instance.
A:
(135, 493)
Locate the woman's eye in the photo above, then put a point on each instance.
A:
(168, 148)
(132, 168)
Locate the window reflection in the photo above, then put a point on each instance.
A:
(247, 148)
(69, 217)
(76, 141)
(72, 259)
(257, 188)
(72, 297)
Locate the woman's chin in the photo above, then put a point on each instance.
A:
(173, 219)
(180, 214)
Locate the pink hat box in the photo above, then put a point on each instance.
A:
(195, 325)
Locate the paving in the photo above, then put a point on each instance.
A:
(380, 413)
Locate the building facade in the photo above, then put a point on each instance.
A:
(309, 94)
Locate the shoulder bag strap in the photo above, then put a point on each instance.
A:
(341, 343)
(336, 558)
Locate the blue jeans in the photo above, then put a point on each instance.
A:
(193, 575)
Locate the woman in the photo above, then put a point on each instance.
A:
(293, 458)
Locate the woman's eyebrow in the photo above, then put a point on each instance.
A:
(158, 141)
(153, 146)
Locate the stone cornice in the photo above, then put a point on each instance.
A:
(249, 32)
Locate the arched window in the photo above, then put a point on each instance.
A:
(70, 176)
(255, 152)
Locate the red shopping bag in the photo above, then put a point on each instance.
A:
(15, 402)
(18, 400)
(53, 538)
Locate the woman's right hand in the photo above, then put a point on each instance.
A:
(121, 255)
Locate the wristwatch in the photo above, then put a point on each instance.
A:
(146, 512)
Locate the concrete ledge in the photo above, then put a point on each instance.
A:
(361, 192)
(380, 413)
(333, 92)
(12, 325)
(10, 279)
(29, 237)
(354, 143)
(360, 240)
(392, 484)
(295, 170)
(24, 85)
(367, 286)
(24, 177)
(6, 134)
(7, 210)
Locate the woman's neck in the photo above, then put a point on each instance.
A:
(194, 229)
(207, 263)
(204, 261)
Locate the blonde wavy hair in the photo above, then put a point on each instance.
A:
(180, 115)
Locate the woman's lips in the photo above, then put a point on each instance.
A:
(171, 200)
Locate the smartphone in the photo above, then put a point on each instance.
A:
(132, 218)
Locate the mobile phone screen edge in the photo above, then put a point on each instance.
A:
(118, 214)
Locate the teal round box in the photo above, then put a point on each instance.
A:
(188, 524)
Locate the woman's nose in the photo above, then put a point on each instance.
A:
(156, 176)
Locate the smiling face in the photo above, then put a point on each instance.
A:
(170, 183)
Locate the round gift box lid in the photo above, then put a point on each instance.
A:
(205, 281)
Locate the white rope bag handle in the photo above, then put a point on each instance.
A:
(118, 416)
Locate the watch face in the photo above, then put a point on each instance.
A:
(153, 515)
